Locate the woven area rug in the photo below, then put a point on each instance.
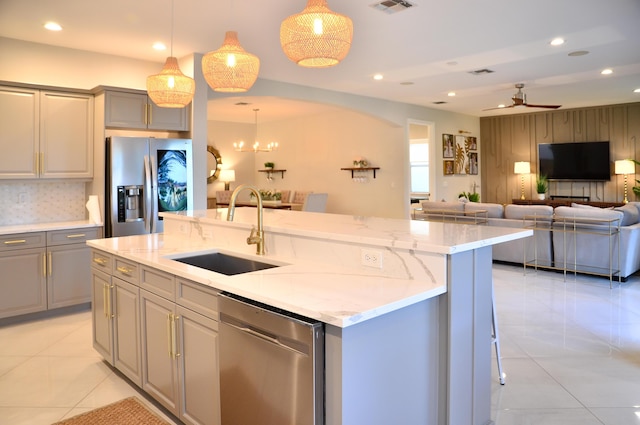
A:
(129, 411)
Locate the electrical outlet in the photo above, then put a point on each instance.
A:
(371, 258)
(22, 197)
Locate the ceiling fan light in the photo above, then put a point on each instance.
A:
(316, 37)
(171, 88)
(230, 69)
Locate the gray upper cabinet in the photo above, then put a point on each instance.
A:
(135, 110)
(45, 134)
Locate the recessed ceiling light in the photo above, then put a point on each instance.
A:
(451, 94)
(53, 26)
(607, 71)
(557, 41)
(578, 53)
(636, 91)
(502, 105)
(378, 77)
(158, 45)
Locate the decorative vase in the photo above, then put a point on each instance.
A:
(541, 196)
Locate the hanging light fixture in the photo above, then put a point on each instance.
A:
(316, 37)
(240, 147)
(171, 88)
(230, 69)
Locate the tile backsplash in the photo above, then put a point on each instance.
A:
(41, 202)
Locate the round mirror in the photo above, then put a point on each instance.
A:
(213, 164)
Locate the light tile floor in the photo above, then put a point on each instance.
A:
(570, 349)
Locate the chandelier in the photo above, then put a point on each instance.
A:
(316, 37)
(171, 88)
(240, 146)
(230, 68)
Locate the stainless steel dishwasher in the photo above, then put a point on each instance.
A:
(271, 365)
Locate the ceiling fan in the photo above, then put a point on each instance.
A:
(520, 99)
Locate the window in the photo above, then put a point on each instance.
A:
(419, 163)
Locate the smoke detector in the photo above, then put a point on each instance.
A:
(392, 6)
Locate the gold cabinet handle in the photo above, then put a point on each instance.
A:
(100, 261)
(169, 335)
(44, 264)
(15, 241)
(150, 114)
(124, 270)
(104, 300)
(50, 264)
(109, 312)
(176, 354)
(77, 235)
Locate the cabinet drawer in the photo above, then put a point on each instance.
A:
(126, 270)
(101, 261)
(22, 240)
(197, 297)
(69, 236)
(158, 282)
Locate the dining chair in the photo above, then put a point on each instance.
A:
(299, 197)
(223, 196)
(315, 202)
(285, 195)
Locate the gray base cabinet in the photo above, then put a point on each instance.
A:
(44, 270)
(161, 332)
(116, 318)
(24, 286)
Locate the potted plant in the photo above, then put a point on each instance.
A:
(542, 185)
(471, 197)
(269, 165)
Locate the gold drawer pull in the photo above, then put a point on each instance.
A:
(99, 260)
(124, 270)
(14, 242)
(77, 235)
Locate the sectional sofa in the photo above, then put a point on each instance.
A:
(587, 239)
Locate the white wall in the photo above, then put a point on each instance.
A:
(313, 149)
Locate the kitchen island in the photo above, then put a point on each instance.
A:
(406, 304)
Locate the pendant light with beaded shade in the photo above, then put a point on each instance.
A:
(230, 69)
(316, 37)
(171, 88)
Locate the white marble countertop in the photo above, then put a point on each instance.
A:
(42, 227)
(427, 236)
(334, 294)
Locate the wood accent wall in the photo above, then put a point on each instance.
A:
(510, 138)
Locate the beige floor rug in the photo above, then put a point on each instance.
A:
(129, 411)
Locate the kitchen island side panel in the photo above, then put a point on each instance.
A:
(466, 337)
(385, 370)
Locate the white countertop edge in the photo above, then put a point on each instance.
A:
(44, 227)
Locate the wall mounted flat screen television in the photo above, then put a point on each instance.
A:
(587, 161)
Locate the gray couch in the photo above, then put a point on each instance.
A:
(578, 234)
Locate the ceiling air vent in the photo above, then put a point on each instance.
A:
(481, 71)
(242, 104)
(392, 6)
(439, 102)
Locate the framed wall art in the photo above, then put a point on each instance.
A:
(448, 146)
(448, 167)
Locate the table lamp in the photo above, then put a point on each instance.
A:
(522, 168)
(624, 167)
(227, 176)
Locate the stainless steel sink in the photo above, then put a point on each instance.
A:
(224, 263)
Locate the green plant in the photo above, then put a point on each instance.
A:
(636, 189)
(471, 197)
(269, 165)
(542, 185)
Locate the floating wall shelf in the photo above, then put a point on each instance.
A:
(352, 169)
(270, 172)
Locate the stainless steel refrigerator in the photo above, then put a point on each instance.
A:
(145, 176)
